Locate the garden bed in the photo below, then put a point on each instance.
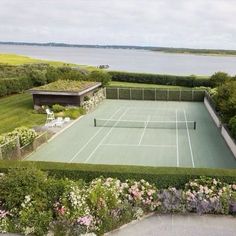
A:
(44, 204)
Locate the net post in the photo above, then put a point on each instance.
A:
(180, 95)
(130, 94)
(195, 125)
(192, 95)
(118, 93)
(155, 94)
(168, 91)
(95, 122)
(143, 93)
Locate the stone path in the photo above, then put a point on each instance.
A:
(180, 225)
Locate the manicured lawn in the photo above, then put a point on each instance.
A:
(141, 85)
(17, 110)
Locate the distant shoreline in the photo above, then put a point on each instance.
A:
(204, 52)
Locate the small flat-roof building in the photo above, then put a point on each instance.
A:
(63, 92)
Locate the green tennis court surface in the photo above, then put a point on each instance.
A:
(149, 133)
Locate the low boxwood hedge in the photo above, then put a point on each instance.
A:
(161, 176)
(186, 81)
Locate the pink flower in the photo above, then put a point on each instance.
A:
(85, 220)
(62, 210)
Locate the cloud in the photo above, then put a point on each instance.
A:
(182, 23)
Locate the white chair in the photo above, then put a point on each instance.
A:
(59, 122)
(67, 119)
(50, 117)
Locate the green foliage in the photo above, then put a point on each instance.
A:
(14, 85)
(232, 126)
(226, 100)
(38, 77)
(33, 203)
(21, 182)
(186, 81)
(66, 85)
(162, 177)
(73, 113)
(86, 98)
(100, 76)
(58, 108)
(25, 135)
(18, 78)
(33, 219)
(219, 78)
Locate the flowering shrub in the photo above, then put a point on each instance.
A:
(25, 135)
(104, 201)
(141, 194)
(207, 195)
(43, 205)
(73, 207)
(4, 220)
(33, 218)
(172, 200)
(232, 203)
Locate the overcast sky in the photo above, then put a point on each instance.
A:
(171, 23)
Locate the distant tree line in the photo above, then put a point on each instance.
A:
(153, 48)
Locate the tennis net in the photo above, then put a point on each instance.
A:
(145, 124)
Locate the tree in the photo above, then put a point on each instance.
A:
(232, 126)
(38, 77)
(219, 78)
(101, 76)
(226, 100)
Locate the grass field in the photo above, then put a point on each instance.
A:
(142, 85)
(178, 146)
(15, 59)
(17, 110)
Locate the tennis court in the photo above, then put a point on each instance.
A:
(149, 133)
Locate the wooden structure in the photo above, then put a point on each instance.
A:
(65, 98)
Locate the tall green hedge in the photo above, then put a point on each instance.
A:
(14, 85)
(187, 81)
(161, 176)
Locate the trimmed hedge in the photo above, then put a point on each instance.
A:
(163, 177)
(186, 81)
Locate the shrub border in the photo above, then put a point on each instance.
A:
(162, 177)
(162, 79)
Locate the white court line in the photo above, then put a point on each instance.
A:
(177, 138)
(146, 123)
(136, 145)
(108, 133)
(189, 141)
(85, 145)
